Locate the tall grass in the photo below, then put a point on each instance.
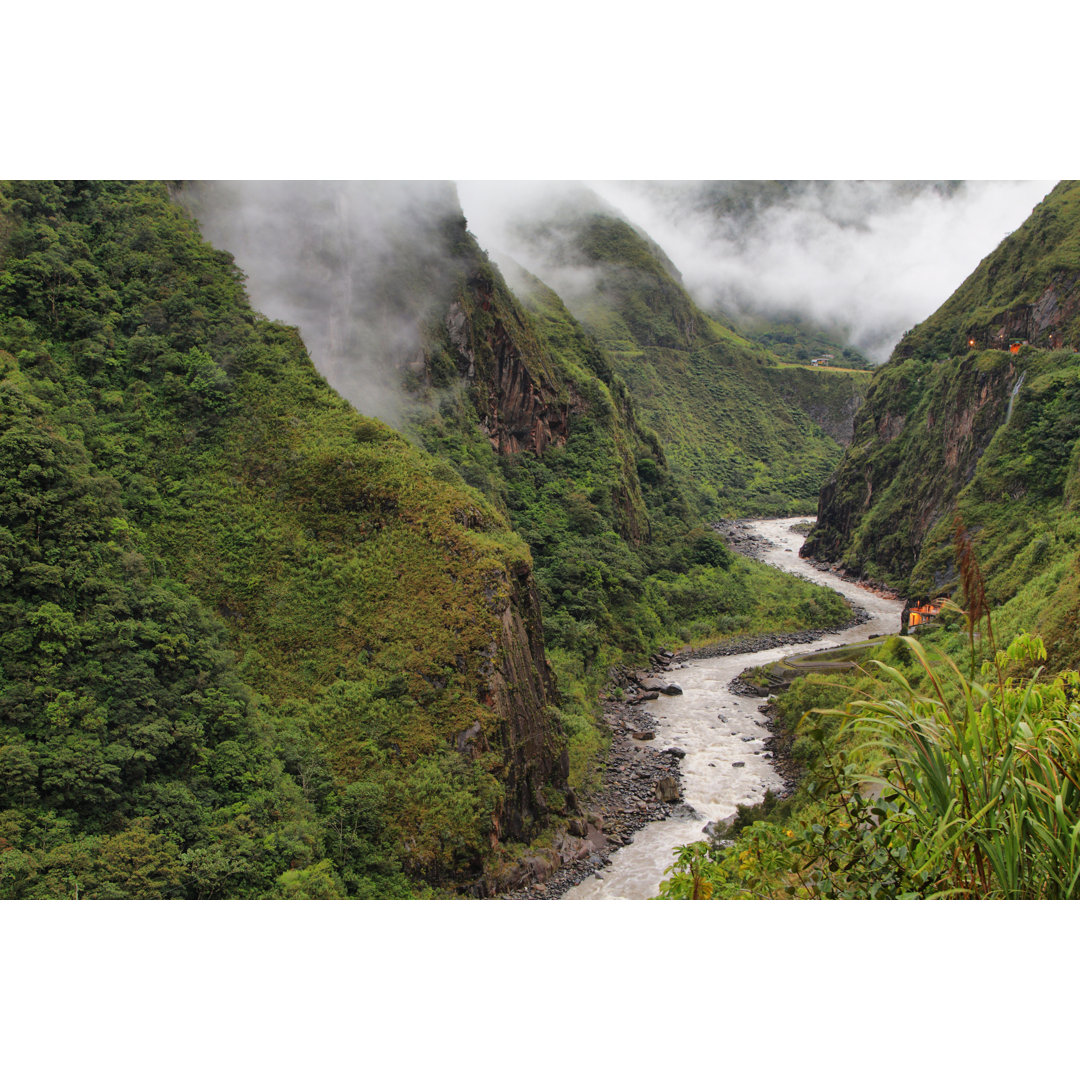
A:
(979, 782)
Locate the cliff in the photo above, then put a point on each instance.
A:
(706, 391)
(831, 397)
(982, 430)
(916, 442)
(519, 689)
(534, 379)
(318, 651)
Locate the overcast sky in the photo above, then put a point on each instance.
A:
(871, 258)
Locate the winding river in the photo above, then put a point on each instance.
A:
(718, 729)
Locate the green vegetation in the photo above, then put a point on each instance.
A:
(701, 386)
(982, 432)
(798, 342)
(938, 410)
(242, 626)
(829, 396)
(922, 782)
(254, 644)
(1009, 296)
(620, 564)
(923, 779)
(947, 767)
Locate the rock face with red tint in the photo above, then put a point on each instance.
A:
(975, 413)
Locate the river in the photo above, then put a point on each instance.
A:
(717, 729)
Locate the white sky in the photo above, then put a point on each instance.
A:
(877, 280)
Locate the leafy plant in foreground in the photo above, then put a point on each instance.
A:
(979, 795)
(975, 796)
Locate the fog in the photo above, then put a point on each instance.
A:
(867, 259)
(357, 266)
(531, 225)
(360, 267)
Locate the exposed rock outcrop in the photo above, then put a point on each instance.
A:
(1042, 323)
(518, 411)
(953, 384)
(520, 690)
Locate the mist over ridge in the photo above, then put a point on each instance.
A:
(361, 267)
(864, 259)
(358, 266)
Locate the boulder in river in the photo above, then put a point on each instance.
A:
(667, 789)
(651, 682)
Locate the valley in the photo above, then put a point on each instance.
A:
(334, 548)
(722, 733)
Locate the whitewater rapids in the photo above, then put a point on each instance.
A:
(717, 729)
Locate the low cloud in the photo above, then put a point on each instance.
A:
(357, 266)
(867, 259)
(531, 225)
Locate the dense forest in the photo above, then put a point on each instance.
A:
(257, 644)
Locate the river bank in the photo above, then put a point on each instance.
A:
(629, 799)
(636, 768)
(731, 753)
(717, 744)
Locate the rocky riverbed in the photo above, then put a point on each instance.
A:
(716, 747)
(733, 757)
(642, 783)
(741, 536)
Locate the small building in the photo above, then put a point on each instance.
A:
(922, 614)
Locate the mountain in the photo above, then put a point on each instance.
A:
(507, 388)
(853, 262)
(253, 643)
(976, 415)
(709, 393)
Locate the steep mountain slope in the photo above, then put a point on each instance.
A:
(701, 386)
(830, 396)
(958, 423)
(518, 399)
(252, 642)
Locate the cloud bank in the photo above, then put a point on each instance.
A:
(357, 266)
(868, 259)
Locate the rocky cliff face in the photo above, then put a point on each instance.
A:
(520, 690)
(527, 392)
(956, 410)
(518, 411)
(1044, 322)
(918, 440)
(707, 392)
(373, 274)
(830, 398)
